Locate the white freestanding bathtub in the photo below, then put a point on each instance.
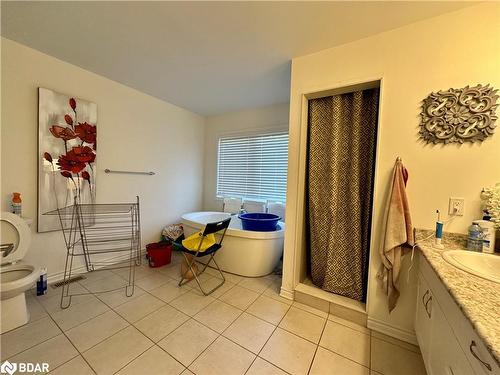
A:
(243, 252)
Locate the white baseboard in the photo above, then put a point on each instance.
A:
(59, 276)
(389, 330)
(286, 293)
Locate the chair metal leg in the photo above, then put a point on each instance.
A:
(205, 266)
(190, 268)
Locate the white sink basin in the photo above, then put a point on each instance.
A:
(483, 265)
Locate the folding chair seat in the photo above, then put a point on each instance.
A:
(210, 228)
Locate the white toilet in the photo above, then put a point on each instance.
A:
(16, 277)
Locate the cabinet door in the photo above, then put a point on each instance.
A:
(445, 354)
(423, 327)
(476, 352)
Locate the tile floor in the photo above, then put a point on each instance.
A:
(245, 327)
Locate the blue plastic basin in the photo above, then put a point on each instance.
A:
(259, 222)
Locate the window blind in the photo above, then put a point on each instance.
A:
(253, 167)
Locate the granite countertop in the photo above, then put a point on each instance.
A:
(478, 298)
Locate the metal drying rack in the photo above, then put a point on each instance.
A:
(93, 230)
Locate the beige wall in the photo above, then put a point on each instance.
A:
(135, 131)
(263, 119)
(453, 50)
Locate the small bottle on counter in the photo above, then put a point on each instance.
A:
(16, 204)
(488, 229)
(41, 284)
(475, 238)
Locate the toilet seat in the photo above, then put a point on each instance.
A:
(17, 278)
(24, 238)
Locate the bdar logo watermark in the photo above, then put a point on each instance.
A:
(23, 367)
(8, 368)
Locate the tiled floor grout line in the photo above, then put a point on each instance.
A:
(111, 308)
(151, 312)
(221, 334)
(189, 317)
(272, 333)
(114, 334)
(343, 356)
(218, 334)
(79, 324)
(225, 329)
(312, 342)
(265, 360)
(80, 354)
(185, 368)
(269, 285)
(120, 330)
(71, 342)
(89, 348)
(242, 311)
(317, 345)
(149, 292)
(47, 316)
(227, 338)
(31, 347)
(204, 350)
(133, 359)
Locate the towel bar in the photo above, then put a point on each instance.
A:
(129, 172)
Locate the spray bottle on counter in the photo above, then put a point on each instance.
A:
(16, 204)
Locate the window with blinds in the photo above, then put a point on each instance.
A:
(253, 167)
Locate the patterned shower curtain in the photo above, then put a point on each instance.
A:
(340, 170)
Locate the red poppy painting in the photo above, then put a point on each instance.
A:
(70, 162)
(86, 132)
(67, 142)
(64, 133)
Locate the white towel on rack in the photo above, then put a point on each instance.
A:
(232, 205)
(276, 208)
(254, 206)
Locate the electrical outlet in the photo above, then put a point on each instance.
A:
(456, 206)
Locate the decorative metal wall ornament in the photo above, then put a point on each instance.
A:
(459, 115)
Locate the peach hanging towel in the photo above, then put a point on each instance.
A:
(398, 235)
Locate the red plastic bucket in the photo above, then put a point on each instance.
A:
(159, 254)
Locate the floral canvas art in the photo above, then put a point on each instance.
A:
(67, 149)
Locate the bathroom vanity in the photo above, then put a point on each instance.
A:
(457, 313)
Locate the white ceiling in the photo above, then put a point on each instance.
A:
(208, 57)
